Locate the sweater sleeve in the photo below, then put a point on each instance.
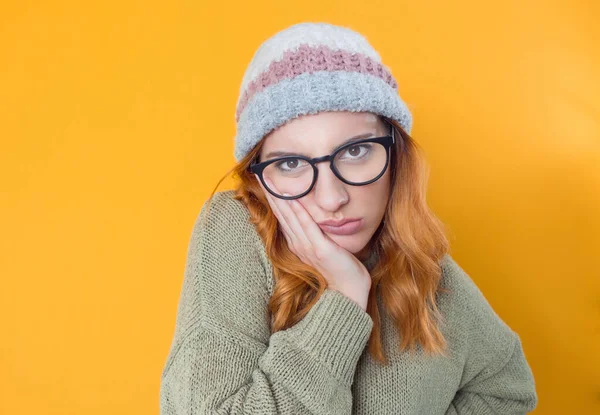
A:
(497, 378)
(223, 359)
(505, 387)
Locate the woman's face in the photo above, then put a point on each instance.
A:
(317, 135)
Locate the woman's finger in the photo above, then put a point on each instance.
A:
(311, 228)
(286, 231)
(284, 225)
(297, 232)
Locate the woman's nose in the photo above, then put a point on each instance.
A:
(329, 192)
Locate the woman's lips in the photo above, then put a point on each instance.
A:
(347, 228)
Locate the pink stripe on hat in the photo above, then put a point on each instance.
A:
(309, 59)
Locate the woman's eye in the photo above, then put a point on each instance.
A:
(289, 165)
(356, 152)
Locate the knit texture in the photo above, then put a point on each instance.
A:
(308, 68)
(223, 359)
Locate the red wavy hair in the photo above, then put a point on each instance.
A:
(410, 244)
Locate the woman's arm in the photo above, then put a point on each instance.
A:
(504, 387)
(223, 359)
(496, 377)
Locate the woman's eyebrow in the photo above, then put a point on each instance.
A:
(289, 153)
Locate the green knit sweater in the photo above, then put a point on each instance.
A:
(223, 359)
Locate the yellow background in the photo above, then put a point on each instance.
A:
(117, 120)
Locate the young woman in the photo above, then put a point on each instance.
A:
(323, 284)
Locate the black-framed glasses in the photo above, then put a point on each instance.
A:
(357, 163)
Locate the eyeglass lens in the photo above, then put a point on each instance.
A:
(357, 164)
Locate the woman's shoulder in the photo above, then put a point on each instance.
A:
(224, 226)
(226, 278)
(458, 281)
(467, 311)
(226, 206)
(226, 215)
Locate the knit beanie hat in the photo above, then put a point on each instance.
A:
(308, 68)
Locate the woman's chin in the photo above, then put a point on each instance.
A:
(351, 243)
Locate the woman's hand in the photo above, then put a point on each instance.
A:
(342, 270)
